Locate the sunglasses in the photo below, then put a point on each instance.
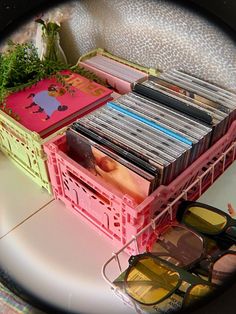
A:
(201, 255)
(209, 221)
(150, 280)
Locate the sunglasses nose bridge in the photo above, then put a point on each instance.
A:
(206, 261)
(209, 258)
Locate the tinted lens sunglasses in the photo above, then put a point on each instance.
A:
(150, 280)
(209, 221)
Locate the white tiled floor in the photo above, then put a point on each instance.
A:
(61, 257)
(20, 197)
(52, 253)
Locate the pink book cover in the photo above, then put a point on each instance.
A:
(47, 105)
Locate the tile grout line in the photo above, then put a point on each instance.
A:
(27, 218)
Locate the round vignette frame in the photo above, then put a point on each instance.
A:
(14, 18)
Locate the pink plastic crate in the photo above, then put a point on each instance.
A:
(119, 85)
(114, 214)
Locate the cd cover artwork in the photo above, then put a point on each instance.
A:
(107, 168)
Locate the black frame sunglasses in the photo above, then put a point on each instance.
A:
(225, 235)
(137, 263)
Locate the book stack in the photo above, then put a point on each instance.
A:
(49, 105)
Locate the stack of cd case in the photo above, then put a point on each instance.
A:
(194, 97)
(170, 122)
(115, 68)
(134, 142)
(119, 76)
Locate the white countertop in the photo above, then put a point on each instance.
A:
(223, 191)
(51, 252)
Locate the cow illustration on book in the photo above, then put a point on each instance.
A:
(47, 100)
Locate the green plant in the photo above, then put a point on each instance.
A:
(21, 67)
(89, 75)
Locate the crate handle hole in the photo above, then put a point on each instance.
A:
(85, 186)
